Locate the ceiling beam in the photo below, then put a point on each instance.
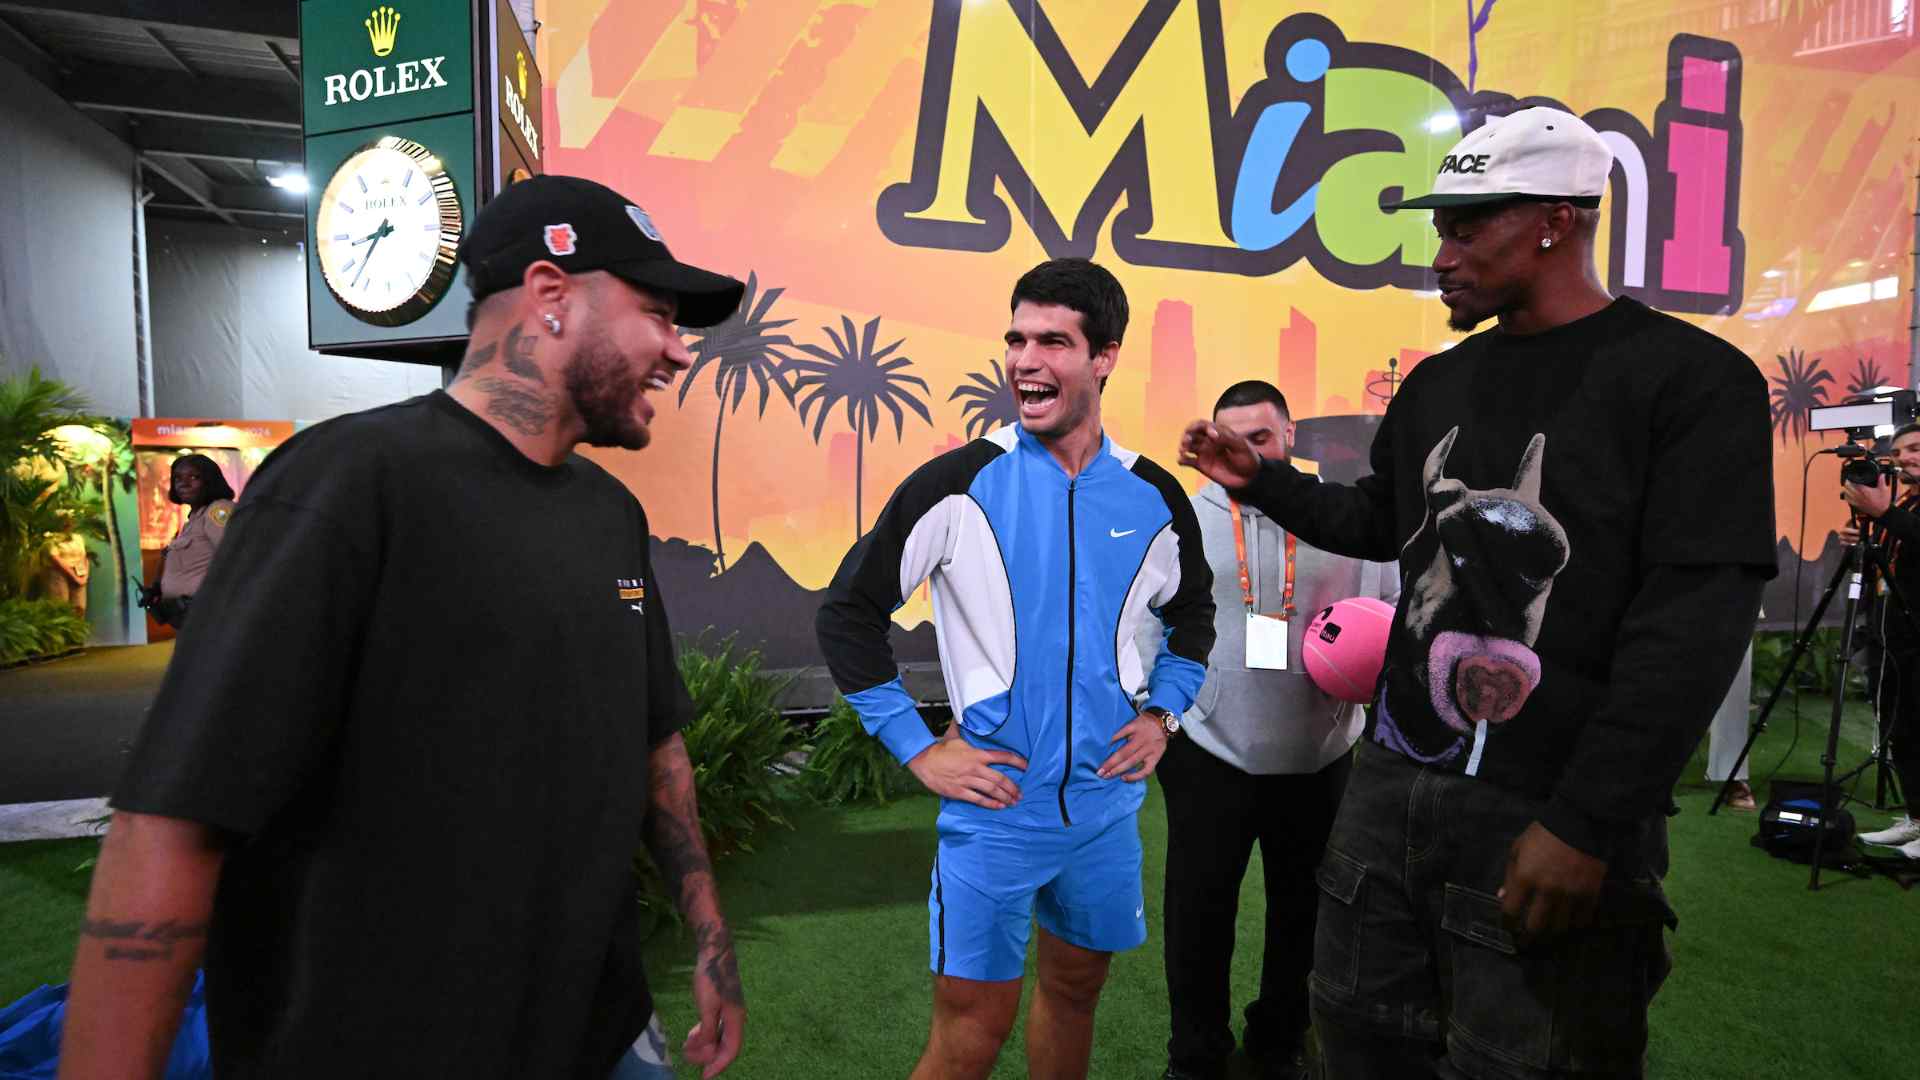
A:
(226, 142)
(173, 54)
(196, 208)
(253, 199)
(286, 62)
(249, 18)
(33, 58)
(191, 182)
(160, 93)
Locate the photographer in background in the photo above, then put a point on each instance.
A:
(1899, 524)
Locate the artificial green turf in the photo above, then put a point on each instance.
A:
(831, 920)
(42, 895)
(1770, 981)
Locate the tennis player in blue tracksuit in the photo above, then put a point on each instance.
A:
(1046, 546)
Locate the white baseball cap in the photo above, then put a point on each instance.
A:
(1537, 153)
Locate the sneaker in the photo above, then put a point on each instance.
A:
(1910, 849)
(1904, 831)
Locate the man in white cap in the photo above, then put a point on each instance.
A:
(1577, 596)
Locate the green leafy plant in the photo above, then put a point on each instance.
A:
(56, 459)
(1815, 672)
(739, 745)
(30, 628)
(847, 765)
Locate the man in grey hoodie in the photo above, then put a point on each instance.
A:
(1266, 760)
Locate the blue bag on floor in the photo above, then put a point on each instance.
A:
(30, 1036)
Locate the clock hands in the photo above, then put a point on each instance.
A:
(385, 230)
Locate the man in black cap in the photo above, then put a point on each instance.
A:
(1576, 599)
(393, 781)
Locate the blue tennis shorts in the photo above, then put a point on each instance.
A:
(1081, 881)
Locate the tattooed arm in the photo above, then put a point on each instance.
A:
(143, 935)
(673, 839)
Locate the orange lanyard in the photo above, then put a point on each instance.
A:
(1246, 580)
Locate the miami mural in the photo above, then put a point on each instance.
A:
(882, 170)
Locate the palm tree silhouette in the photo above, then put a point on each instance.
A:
(1798, 387)
(741, 350)
(855, 372)
(1866, 376)
(989, 401)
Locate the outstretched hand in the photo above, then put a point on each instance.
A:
(955, 769)
(1221, 456)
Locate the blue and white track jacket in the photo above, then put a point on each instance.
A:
(1039, 584)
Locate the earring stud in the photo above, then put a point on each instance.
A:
(553, 324)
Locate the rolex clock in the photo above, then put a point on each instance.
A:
(387, 231)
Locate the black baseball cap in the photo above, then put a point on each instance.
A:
(580, 226)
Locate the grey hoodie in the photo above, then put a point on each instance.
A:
(1271, 721)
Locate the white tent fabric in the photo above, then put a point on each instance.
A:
(230, 332)
(66, 246)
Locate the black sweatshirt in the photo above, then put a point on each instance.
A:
(1584, 523)
(1901, 525)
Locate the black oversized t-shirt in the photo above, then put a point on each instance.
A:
(421, 686)
(1531, 486)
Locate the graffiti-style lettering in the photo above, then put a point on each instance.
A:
(1298, 169)
(1464, 163)
(1142, 125)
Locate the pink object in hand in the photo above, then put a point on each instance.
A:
(1345, 646)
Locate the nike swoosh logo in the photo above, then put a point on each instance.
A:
(1117, 534)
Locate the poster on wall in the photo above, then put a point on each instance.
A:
(881, 174)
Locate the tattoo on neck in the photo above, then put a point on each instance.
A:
(479, 358)
(524, 410)
(139, 941)
(520, 356)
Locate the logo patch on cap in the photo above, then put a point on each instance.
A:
(560, 239)
(644, 223)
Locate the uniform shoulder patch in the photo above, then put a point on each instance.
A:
(219, 512)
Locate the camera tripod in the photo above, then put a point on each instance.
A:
(1852, 570)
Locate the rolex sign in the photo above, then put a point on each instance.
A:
(375, 63)
(516, 91)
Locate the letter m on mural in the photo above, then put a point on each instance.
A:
(1146, 119)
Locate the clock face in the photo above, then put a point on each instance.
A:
(387, 231)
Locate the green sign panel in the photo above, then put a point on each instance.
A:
(385, 210)
(404, 140)
(363, 64)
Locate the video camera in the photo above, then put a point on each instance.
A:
(1866, 471)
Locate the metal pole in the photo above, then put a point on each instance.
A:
(1913, 286)
(142, 314)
